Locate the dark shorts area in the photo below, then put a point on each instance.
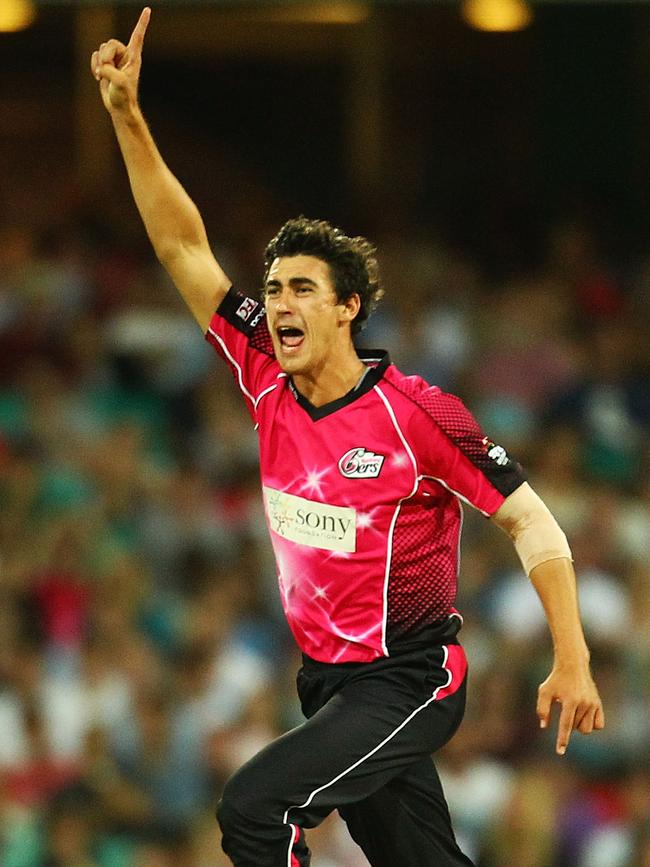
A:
(365, 750)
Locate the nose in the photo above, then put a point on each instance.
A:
(282, 302)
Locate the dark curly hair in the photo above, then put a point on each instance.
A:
(351, 260)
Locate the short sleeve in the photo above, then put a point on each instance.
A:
(458, 454)
(239, 333)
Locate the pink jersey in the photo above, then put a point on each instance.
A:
(363, 495)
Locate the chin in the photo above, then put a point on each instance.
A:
(292, 366)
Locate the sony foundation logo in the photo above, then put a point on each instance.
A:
(318, 525)
(359, 463)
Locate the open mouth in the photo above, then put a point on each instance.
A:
(290, 337)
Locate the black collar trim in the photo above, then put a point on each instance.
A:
(377, 361)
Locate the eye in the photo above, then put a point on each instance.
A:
(303, 290)
(270, 291)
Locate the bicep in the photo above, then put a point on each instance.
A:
(199, 278)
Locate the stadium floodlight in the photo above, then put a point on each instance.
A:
(16, 15)
(497, 16)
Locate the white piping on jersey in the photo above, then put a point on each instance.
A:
(389, 547)
(294, 836)
(235, 364)
(456, 494)
(388, 738)
(353, 639)
(262, 393)
(253, 400)
(461, 517)
(461, 514)
(259, 398)
(458, 615)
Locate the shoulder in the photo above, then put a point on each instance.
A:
(429, 402)
(240, 323)
(451, 445)
(242, 311)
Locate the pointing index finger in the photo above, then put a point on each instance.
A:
(565, 726)
(137, 37)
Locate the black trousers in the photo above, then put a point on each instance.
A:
(364, 750)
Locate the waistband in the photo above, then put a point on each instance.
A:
(428, 638)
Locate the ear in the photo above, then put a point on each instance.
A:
(350, 307)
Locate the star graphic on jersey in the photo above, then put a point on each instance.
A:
(364, 520)
(399, 459)
(312, 483)
(320, 597)
(337, 555)
(369, 521)
(353, 639)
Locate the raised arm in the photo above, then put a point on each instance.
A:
(171, 218)
(546, 558)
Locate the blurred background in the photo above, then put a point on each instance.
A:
(497, 152)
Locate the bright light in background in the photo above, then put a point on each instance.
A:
(335, 12)
(497, 16)
(16, 15)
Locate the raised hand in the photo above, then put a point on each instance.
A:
(117, 67)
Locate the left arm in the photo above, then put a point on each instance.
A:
(546, 557)
(570, 681)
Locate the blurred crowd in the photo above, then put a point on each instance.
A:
(143, 653)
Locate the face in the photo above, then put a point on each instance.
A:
(308, 324)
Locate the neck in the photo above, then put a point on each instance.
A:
(335, 378)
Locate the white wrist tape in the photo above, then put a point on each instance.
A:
(536, 535)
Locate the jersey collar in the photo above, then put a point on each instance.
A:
(376, 359)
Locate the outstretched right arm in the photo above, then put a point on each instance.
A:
(171, 218)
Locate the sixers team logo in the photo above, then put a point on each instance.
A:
(359, 463)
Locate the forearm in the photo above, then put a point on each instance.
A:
(171, 218)
(570, 682)
(555, 584)
(545, 555)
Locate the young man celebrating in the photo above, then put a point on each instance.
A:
(363, 473)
